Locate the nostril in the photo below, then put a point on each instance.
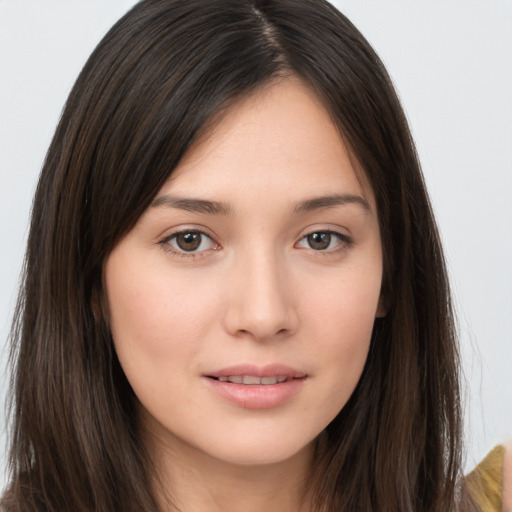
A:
(259, 320)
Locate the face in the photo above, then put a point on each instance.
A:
(243, 300)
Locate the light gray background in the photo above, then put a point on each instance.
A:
(452, 64)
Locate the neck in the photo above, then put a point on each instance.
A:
(192, 481)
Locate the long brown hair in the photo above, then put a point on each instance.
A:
(148, 89)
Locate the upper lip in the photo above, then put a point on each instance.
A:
(270, 370)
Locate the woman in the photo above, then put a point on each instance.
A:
(234, 296)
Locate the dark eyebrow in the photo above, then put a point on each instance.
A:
(319, 203)
(193, 205)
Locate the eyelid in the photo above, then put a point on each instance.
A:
(345, 241)
(164, 242)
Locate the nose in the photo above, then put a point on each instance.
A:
(261, 303)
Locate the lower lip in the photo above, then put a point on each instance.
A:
(257, 396)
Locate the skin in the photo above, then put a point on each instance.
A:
(255, 291)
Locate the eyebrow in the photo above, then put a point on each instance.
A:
(219, 208)
(330, 201)
(193, 205)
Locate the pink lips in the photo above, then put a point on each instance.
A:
(254, 387)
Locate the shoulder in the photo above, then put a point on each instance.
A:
(490, 482)
(507, 478)
(485, 482)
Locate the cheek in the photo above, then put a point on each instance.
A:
(157, 319)
(341, 321)
(344, 342)
(343, 308)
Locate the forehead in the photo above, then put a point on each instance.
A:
(278, 137)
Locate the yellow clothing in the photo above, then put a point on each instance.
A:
(485, 482)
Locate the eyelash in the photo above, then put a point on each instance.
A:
(344, 242)
(182, 253)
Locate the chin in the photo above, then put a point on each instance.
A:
(262, 452)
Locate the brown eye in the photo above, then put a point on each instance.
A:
(319, 241)
(324, 241)
(189, 242)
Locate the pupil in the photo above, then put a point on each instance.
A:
(319, 241)
(188, 241)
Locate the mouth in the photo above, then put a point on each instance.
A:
(257, 387)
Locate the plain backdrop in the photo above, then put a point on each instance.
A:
(452, 65)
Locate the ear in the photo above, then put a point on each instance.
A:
(99, 305)
(382, 307)
(95, 305)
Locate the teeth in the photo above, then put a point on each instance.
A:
(252, 380)
(249, 379)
